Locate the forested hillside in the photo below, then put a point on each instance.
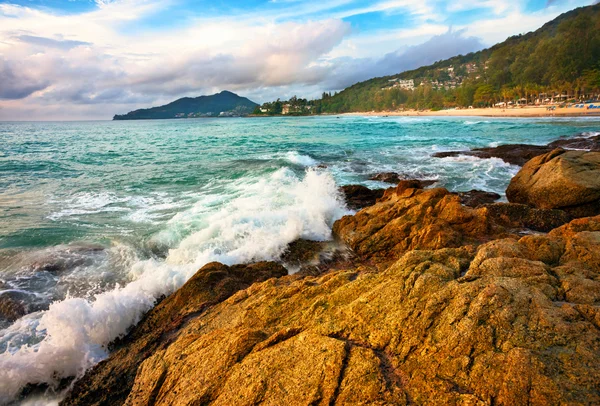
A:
(558, 62)
(561, 60)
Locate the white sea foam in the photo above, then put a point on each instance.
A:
(256, 224)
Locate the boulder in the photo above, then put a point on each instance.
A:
(566, 180)
(408, 218)
(358, 196)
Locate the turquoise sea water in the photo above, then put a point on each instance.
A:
(98, 219)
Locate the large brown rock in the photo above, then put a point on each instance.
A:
(408, 218)
(514, 321)
(110, 382)
(566, 180)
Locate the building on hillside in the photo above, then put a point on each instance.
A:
(286, 109)
(406, 84)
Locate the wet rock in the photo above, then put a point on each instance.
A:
(566, 180)
(387, 177)
(110, 381)
(474, 198)
(513, 321)
(358, 196)
(516, 154)
(11, 308)
(587, 143)
(519, 216)
(305, 257)
(519, 154)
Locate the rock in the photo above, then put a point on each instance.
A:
(110, 381)
(520, 216)
(519, 154)
(11, 308)
(474, 198)
(513, 321)
(586, 143)
(358, 196)
(566, 180)
(387, 177)
(515, 154)
(305, 257)
(393, 177)
(408, 218)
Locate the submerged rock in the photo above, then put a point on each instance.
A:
(566, 180)
(11, 308)
(358, 196)
(474, 198)
(515, 154)
(519, 154)
(387, 177)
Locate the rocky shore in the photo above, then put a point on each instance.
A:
(426, 297)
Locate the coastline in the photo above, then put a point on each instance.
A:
(487, 112)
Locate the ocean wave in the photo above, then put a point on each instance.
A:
(137, 209)
(296, 158)
(468, 122)
(261, 219)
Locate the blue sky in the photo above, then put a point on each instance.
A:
(84, 59)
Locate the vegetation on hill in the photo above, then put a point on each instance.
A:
(221, 104)
(559, 62)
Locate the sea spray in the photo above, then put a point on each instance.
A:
(264, 217)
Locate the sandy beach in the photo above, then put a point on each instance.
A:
(532, 111)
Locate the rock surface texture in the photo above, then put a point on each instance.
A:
(450, 305)
(566, 180)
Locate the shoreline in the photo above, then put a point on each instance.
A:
(486, 112)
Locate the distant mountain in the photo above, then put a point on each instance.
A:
(224, 104)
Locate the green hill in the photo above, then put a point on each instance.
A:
(559, 60)
(220, 104)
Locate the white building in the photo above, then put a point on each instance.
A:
(406, 84)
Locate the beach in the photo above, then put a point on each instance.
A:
(529, 111)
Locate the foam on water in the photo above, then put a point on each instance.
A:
(257, 223)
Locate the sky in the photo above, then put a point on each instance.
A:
(91, 59)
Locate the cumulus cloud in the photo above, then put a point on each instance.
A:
(107, 61)
(16, 82)
(437, 48)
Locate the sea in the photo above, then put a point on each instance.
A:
(99, 219)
